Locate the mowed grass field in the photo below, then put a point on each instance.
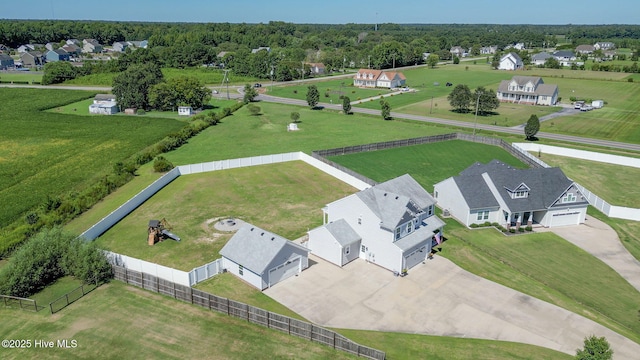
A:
(45, 154)
(428, 163)
(540, 264)
(284, 198)
(208, 76)
(21, 76)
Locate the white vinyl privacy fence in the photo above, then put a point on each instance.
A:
(620, 212)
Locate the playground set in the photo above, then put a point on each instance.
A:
(158, 230)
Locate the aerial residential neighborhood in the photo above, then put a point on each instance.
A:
(267, 181)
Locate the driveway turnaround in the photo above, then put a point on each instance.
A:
(601, 241)
(436, 298)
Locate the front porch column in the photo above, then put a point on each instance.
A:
(530, 219)
(518, 220)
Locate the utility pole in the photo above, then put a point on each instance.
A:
(475, 122)
(226, 79)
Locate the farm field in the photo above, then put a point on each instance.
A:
(428, 163)
(44, 154)
(604, 179)
(287, 200)
(330, 90)
(208, 76)
(516, 261)
(21, 76)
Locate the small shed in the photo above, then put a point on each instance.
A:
(107, 108)
(185, 110)
(597, 104)
(130, 111)
(262, 258)
(335, 242)
(292, 127)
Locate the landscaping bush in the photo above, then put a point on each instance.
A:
(521, 229)
(161, 164)
(49, 255)
(140, 112)
(512, 230)
(473, 226)
(528, 228)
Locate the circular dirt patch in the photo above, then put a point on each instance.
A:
(228, 224)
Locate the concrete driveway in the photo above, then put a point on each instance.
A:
(436, 298)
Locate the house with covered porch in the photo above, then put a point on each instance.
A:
(529, 90)
(379, 79)
(391, 224)
(498, 193)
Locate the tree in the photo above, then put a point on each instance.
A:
(495, 61)
(132, 86)
(532, 127)
(595, 348)
(385, 110)
(250, 93)
(313, 96)
(432, 60)
(346, 105)
(460, 98)
(179, 91)
(295, 116)
(456, 60)
(487, 100)
(552, 63)
(58, 72)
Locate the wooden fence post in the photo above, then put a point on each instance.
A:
(228, 307)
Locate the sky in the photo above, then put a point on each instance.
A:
(333, 11)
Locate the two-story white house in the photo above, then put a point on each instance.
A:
(510, 61)
(391, 224)
(529, 90)
(379, 78)
(498, 193)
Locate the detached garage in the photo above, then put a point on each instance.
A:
(262, 258)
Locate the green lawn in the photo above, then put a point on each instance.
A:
(208, 76)
(603, 179)
(286, 200)
(22, 76)
(231, 287)
(330, 90)
(428, 163)
(628, 231)
(53, 291)
(46, 154)
(117, 321)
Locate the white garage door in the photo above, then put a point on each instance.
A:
(415, 257)
(565, 218)
(284, 271)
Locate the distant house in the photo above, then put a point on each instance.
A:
(604, 45)
(104, 104)
(488, 50)
(6, 62)
(138, 44)
(540, 58)
(497, 193)
(565, 57)
(185, 110)
(119, 46)
(527, 90)
(4, 48)
(26, 47)
(261, 258)
(458, 51)
(32, 58)
(74, 42)
(261, 48)
(91, 46)
(57, 55)
(510, 61)
(51, 45)
(379, 78)
(585, 49)
(517, 46)
(317, 68)
(72, 49)
(391, 224)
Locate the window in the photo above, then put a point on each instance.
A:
(409, 227)
(397, 233)
(363, 248)
(483, 215)
(241, 270)
(569, 198)
(520, 194)
(360, 220)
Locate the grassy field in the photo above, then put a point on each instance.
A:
(29, 76)
(628, 231)
(329, 89)
(52, 292)
(428, 164)
(286, 200)
(604, 179)
(117, 321)
(45, 154)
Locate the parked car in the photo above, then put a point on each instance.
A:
(578, 105)
(586, 108)
(257, 85)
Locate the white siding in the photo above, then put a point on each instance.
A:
(248, 276)
(322, 244)
(450, 198)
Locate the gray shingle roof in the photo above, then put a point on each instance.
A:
(396, 201)
(541, 56)
(255, 248)
(421, 233)
(342, 232)
(546, 184)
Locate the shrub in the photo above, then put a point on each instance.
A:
(326, 94)
(528, 228)
(140, 112)
(521, 229)
(512, 230)
(161, 164)
(630, 79)
(473, 226)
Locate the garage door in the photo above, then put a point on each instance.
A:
(415, 257)
(284, 271)
(566, 218)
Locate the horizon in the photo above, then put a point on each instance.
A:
(332, 12)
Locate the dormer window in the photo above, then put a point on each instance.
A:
(409, 227)
(398, 233)
(520, 194)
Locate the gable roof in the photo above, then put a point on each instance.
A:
(564, 54)
(396, 201)
(541, 56)
(512, 55)
(585, 48)
(255, 248)
(342, 232)
(546, 186)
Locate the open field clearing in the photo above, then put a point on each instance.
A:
(284, 198)
(208, 76)
(21, 76)
(45, 154)
(428, 164)
(117, 321)
(604, 179)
